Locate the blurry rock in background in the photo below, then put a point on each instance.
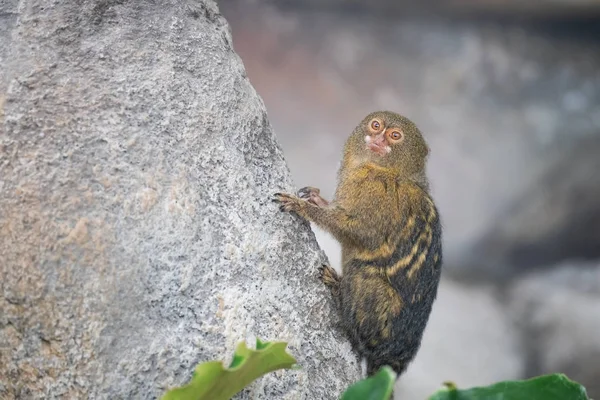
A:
(555, 218)
(532, 9)
(512, 114)
(558, 315)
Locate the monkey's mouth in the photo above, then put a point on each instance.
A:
(377, 145)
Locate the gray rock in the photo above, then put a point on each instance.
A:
(558, 313)
(136, 233)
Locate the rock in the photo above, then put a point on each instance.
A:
(456, 347)
(554, 219)
(512, 115)
(558, 314)
(137, 236)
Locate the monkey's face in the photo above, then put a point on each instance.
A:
(391, 140)
(380, 138)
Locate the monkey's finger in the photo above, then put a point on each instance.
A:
(312, 201)
(327, 273)
(283, 196)
(303, 193)
(310, 189)
(285, 206)
(307, 191)
(279, 197)
(321, 271)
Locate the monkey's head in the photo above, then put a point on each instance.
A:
(390, 140)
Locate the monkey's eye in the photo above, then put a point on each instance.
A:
(375, 125)
(395, 135)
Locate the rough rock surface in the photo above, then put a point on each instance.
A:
(558, 313)
(136, 233)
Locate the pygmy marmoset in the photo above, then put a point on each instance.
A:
(390, 233)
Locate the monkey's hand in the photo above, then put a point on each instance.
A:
(330, 278)
(291, 203)
(312, 195)
(333, 218)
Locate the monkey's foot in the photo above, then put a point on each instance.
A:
(312, 195)
(330, 278)
(288, 202)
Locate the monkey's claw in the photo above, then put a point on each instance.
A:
(287, 202)
(329, 277)
(307, 192)
(312, 195)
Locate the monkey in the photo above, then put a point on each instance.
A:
(390, 231)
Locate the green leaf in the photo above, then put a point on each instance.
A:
(546, 387)
(211, 381)
(376, 387)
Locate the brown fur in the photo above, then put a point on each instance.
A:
(390, 232)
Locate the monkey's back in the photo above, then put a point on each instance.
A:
(387, 291)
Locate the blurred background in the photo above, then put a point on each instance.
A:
(508, 95)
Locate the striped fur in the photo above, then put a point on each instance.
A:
(391, 237)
